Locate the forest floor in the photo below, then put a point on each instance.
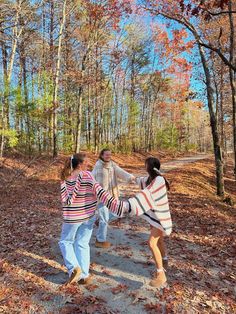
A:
(201, 273)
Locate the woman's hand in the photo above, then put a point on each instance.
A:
(133, 179)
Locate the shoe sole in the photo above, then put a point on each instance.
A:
(75, 277)
(162, 286)
(102, 247)
(83, 283)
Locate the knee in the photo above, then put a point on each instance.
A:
(152, 243)
(63, 243)
(104, 220)
(104, 214)
(83, 245)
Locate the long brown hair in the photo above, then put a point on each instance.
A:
(153, 166)
(71, 164)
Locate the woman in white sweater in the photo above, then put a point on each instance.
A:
(107, 173)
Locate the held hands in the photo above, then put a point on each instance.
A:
(133, 179)
(127, 209)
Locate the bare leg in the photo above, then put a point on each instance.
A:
(156, 253)
(153, 245)
(161, 246)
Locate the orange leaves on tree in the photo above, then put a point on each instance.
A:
(112, 10)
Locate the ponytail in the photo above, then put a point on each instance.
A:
(153, 168)
(71, 164)
(167, 183)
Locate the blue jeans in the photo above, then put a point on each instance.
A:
(104, 216)
(74, 245)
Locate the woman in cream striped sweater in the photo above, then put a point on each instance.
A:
(152, 205)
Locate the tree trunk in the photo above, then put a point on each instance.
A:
(56, 82)
(79, 108)
(221, 108)
(233, 78)
(26, 98)
(7, 72)
(89, 117)
(49, 139)
(79, 116)
(233, 89)
(214, 126)
(96, 112)
(5, 98)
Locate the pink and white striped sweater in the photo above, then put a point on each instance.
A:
(80, 196)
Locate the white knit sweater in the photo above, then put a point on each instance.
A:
(152, 204)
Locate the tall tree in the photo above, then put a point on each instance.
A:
(178, 12)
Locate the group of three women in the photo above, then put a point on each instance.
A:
(83, 193)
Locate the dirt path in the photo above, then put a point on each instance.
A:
(177, 163)
(122, 273)
(201, 254)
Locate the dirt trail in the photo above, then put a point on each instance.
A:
(177, 163)
(122, 273)
(201, 274)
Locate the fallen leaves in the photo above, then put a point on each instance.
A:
(137, 296)
(118, 289)
(107, 272)
(71, 289)
(154, 308)
(85, 305)
(201, 272)
(91, 288)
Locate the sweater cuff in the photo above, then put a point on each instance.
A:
(129, 207)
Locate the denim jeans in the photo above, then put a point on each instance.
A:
(104, 216)
(74, 245)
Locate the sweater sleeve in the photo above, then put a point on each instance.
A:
(141, 181)
(117, 207)
(122, 174)
(94, 172)
(64, 193)
(68, 198)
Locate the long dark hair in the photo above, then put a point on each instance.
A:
(71, 164)
(102, 152)
(153, 166)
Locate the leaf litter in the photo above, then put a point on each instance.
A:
(201, 249)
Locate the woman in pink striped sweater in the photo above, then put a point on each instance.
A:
(79, 195)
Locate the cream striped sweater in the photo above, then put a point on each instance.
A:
(152, 204)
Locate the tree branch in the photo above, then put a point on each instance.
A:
(219, 13)
(192, 29)
(221, 55)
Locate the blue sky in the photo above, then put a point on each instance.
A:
(196, 83)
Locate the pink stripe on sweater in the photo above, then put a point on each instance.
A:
(162, 204)
(161, 187)
(69, 214)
